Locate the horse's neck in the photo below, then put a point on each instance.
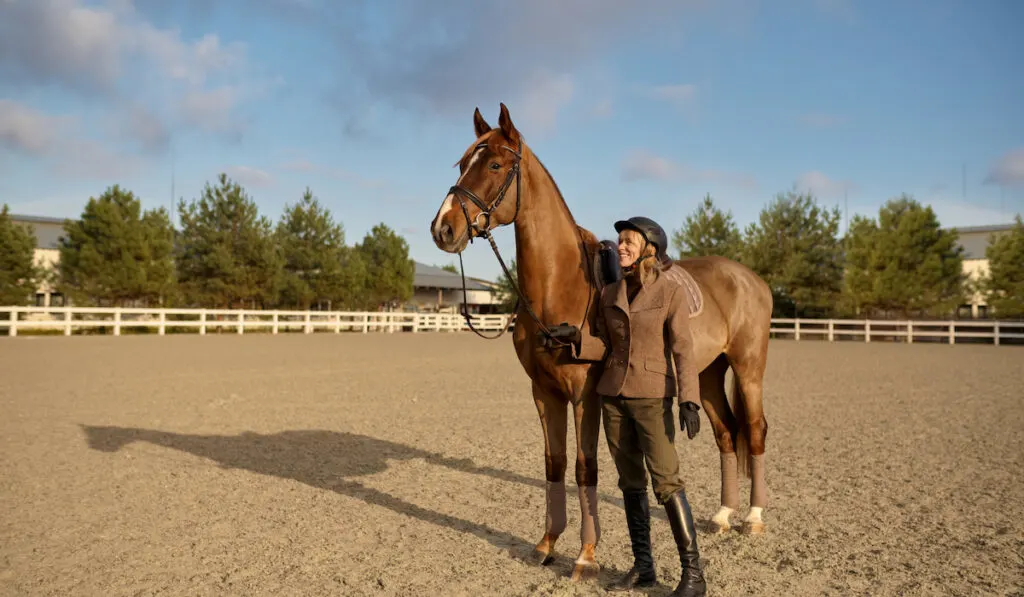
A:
(549, 258)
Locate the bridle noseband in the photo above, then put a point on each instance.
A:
(514, 173)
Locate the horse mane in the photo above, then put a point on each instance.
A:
(588, 235)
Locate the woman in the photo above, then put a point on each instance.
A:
(643, 328)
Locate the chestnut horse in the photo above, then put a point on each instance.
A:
(502, 182)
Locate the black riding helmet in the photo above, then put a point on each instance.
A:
(652, 232)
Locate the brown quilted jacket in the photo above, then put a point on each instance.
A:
(639, 342)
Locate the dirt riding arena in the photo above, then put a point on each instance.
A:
(412, 464)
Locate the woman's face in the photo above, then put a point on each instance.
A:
(629, 248)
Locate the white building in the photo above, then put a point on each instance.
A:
(48, 232)
(436, 290)
(974, 240)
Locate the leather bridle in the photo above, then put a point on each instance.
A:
(460, 192)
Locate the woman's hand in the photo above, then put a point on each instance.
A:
(689, 418)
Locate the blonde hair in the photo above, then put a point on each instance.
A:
(647, 269)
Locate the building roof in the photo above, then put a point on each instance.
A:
(47, 230)
(429, 276)
(975, 239)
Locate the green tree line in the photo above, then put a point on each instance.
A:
(224, 254)
(901, 264)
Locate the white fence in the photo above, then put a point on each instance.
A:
(953, 331)
(69, 319)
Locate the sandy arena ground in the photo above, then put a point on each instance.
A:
(413, 465)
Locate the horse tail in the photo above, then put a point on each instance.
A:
(740, 430)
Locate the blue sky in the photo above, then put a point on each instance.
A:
(656, 102)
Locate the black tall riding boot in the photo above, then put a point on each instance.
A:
(638, 520)
(692, 583)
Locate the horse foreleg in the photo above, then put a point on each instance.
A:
(587, 416)
(723, 424)
(553, 421)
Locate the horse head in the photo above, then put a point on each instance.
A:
(488, 191)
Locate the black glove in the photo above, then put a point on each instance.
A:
(689, 418)
(562, 332)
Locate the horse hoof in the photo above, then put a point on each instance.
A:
(753, 528)
(585, 571)
(541, 558)
(718, 528)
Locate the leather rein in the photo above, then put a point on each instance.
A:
(514, 174)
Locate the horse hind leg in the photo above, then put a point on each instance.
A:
(554, 424)
(753, 429)
(587, 416)
(723, 425)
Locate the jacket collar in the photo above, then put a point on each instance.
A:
(648, 297)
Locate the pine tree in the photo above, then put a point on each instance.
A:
(389, 270)
(904, 264)
(116, 254)
(505, 293)
(708, 231)
(19, 276)
(226, 254)
(312, 247)
(1004, 283)
(795, 248)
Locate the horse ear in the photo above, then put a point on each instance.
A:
(479, 124)
(505, 122)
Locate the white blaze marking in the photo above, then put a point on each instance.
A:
(445, 208)
(449, 201)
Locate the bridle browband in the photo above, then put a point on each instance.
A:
(514, 174)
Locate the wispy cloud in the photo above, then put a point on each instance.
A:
(250, 177)
(1008, 170)
(956, 214)
(438, 57)
(821, 185)
(641, 164)
(57, 139)
(25, 129)
(300, 164)
(149, 81)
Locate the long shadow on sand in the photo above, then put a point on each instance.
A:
(328, 460)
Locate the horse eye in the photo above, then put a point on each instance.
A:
(495, 166)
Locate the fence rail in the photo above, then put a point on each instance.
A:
(909, 331)
(100, 320)
(68, 320)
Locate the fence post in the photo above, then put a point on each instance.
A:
(309, 323)
(910, 332)
(995, 333)
(831, 331)
(163, 323)
(202, 322)
(796, 328)
(415, 322)
(241, 322)
(337, 323)
(13, 329)
(117, 321)
(366, 322)
(867, 330)
(67, 322)
(952, 333)
(275, 325)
